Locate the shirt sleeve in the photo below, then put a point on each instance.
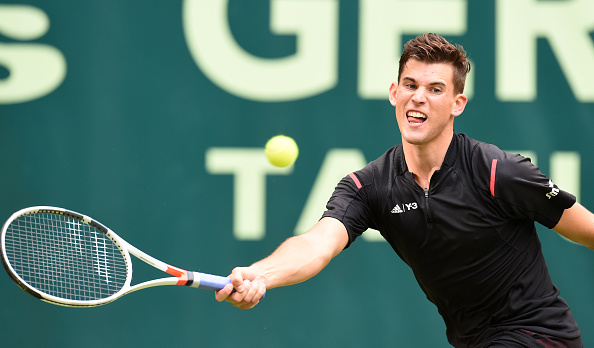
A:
(349, 203)
(522, 191)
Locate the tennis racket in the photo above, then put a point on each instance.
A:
(66, 258)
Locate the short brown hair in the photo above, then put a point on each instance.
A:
(433, 48)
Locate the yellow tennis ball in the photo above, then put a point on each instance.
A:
(281, 151)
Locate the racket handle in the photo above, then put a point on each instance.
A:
(212, 282)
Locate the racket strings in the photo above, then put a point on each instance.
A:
(64, 257)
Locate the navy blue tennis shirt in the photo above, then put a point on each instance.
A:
(469, 238)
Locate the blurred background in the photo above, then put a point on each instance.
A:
(152, 117)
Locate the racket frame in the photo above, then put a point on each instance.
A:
(180, 276)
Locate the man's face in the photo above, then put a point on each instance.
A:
(425, 102)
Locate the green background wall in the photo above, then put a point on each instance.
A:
(152, 116)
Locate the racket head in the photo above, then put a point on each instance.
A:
(65, 258)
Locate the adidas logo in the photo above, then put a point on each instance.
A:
(398, 209)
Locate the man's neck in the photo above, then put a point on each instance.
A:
(424, 160)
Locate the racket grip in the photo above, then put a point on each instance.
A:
(212, 282)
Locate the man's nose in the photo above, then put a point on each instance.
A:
(419, 96)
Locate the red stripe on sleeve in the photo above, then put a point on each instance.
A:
(493, 171)
(356, 180)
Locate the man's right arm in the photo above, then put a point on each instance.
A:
(296, 260)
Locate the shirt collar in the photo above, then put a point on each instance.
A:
(450, 158)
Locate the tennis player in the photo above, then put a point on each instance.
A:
(458, 211)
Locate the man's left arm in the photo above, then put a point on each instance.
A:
(577, 224)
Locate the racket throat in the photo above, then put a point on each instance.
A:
(187, 279)
(184, 277)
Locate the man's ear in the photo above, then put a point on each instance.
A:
(392, 97)
(459, 104)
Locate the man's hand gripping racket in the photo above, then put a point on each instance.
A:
(66, 258)
(249, 288)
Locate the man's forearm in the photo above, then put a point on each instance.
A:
(302, 257)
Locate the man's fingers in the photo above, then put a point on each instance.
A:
(242, 293)
(224, 293)
(237, 280)
(253, 296)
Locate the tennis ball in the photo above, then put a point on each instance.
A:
(281, 151)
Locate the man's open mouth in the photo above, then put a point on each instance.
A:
(415, 117)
